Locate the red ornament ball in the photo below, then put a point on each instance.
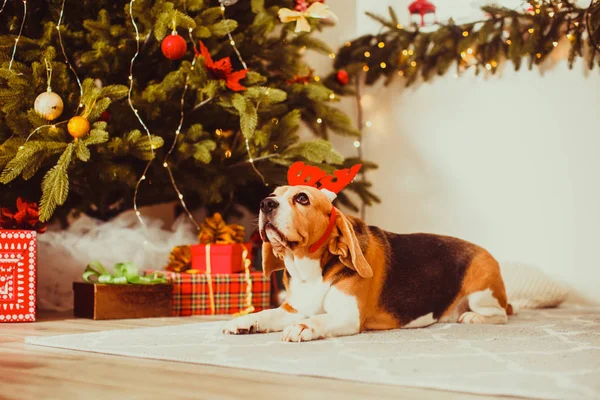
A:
(173, 47)
(105, 116)
(342, 77)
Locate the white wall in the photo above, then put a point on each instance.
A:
(509, 161)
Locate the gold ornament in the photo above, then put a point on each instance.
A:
(180, 259)
(78, 126)
(215, 230)
(48, 105)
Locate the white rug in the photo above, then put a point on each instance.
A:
(547, 354)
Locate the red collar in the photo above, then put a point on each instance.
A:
(325, 236)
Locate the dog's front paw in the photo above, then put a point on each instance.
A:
(242, 325)
(300, 332)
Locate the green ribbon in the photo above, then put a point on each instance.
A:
(123, 274)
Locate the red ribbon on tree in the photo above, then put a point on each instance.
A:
(26, 216)
(222, 69)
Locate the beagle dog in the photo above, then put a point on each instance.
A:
(343, 277)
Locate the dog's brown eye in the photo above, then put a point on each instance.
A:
(302, 198)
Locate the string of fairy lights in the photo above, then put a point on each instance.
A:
(14, 52)
(178, 132)
(266, 92)
(166, 163)
(137, 114)
(64, 53)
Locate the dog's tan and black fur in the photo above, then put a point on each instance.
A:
(364, 278)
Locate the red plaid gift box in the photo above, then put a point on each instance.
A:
(191, 293)
(17, 275)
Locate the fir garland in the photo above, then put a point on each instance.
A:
(519, 36)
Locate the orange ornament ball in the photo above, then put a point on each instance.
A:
(78, 126)
(173, 47)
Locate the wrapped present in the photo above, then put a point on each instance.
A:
(218, 294)
(220, 244)
(121, 294)
(225, 258)
(18, 252)
(19, 227)
(206, 277)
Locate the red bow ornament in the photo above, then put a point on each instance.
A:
(27, 216)
(223, 70)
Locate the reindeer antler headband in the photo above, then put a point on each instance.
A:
(308, 175)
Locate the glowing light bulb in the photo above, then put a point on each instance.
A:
(356, 144)
(381, 45)
(368, 124)
(400, 73)
(494, 64)
(367, 54)
(138, 213)
(21, 147)
(332, 96)
(130, 77)
(509, 42)
(404, 52)
(488, 66)
(232, 43)
(470, 50)
(365, 68)
(331, 55)
(539, 55)
(410, 52)
(143, 177)
(180, 196)
(319, 120)
(465, 33)
(383, 65)
(554, 44)
(165, 165)
(399, 26)
(317, 78)
(530, 30)
(413, 64)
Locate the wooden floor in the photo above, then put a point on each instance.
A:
(33, 372)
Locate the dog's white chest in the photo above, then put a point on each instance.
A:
(307, 289)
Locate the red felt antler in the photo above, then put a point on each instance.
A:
(340, 180)
(308, 175)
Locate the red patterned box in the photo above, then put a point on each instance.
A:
(191, 294)
(18, 254)
(224, 258)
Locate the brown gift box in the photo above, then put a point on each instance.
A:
(99, 301)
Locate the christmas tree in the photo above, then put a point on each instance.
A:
(100, 97)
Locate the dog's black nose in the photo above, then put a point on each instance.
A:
(268, 205)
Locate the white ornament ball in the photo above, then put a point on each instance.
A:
(49, 105)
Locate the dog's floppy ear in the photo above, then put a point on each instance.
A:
(347, 247)
(270, 262)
